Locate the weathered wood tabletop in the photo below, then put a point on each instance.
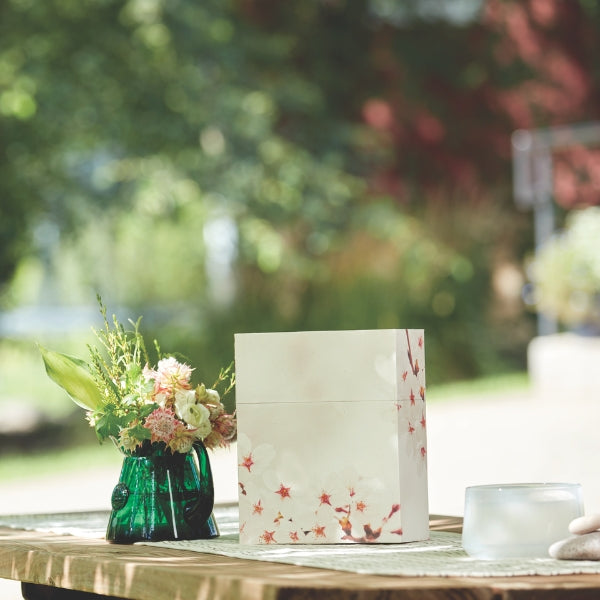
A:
(54, 563)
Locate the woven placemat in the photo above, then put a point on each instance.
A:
(440, 556)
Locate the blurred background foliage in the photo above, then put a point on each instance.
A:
(258, 165)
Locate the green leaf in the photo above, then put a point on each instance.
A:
(73, 375)
(108, 425)
(139, 432)
(147, 409)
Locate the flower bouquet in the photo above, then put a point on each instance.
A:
(160, 422)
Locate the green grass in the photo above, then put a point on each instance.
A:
(493, 384)
(23, 380)
(92, 455)
(88, 456)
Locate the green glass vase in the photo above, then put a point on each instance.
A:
(163, 496)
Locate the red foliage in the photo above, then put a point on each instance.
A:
(577, 176)
(441, 100)
(447, 120)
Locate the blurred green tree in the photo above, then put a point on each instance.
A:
(327, 163)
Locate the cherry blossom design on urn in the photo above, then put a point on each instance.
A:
(308, 472)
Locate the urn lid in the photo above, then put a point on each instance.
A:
(330, 366)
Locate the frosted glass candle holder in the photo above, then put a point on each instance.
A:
(518, 520)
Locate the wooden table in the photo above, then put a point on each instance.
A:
(51, 565)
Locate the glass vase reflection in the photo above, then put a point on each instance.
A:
(163, 496)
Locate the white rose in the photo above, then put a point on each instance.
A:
(197, 416)
(203, 431)
(213, 396)
(183, 399)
